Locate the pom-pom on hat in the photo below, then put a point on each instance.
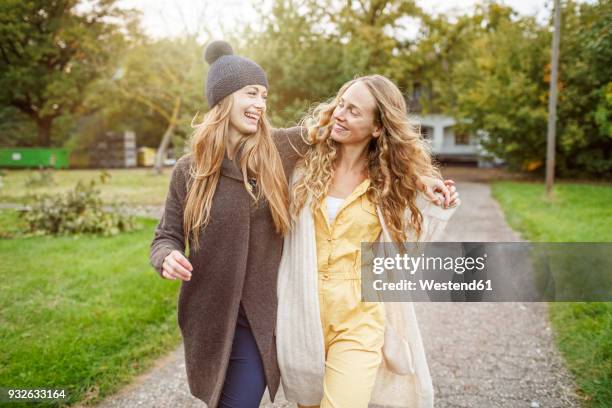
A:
(228, 72)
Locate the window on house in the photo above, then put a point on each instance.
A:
(427, 132)
(462, 138)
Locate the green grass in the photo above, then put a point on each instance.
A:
(132, 186)
(82, 313)
(577, 213)
(11, 224)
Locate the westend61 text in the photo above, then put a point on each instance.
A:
(413, 263)
(406, 285)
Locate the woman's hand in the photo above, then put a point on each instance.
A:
(454, 194)
(176, 266)
(431, 187)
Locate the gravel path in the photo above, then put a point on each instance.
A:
(480, 354)
(491, 354)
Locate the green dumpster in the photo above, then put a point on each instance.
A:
(33, 157)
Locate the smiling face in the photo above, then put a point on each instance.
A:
(249, 105)
(355, 116)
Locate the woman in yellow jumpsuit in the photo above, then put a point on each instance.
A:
(365, 158)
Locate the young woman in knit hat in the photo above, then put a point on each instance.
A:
(358, 183)
(228, 201)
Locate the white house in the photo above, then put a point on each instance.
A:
(449, 144)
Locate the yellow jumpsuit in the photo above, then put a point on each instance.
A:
(353, 330)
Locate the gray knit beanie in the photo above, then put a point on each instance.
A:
(228, 72)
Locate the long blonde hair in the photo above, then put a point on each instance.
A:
(396, 159)
(259, 158)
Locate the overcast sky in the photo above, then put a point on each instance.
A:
(170, 17)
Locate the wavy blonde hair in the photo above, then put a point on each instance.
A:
(396, 159)
(259, 158)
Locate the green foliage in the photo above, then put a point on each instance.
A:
(151, 78)
(503, 84)
(431, 60)
(585, 94)
(502, 90)
(156, 88)
(50, 53)
(283, 50)
(80, 211)
(309, 49)
(490, 69)
(16, 128)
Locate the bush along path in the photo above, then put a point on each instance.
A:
(480, 354)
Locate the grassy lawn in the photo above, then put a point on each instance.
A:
(132, 186)
(85, 314)
(578, 213)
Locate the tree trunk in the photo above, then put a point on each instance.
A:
(552, 103)
(165, 141)
(44, 131)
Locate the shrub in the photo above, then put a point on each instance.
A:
(80, 211)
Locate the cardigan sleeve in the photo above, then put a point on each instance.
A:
(291, 145)
(297, 136)
(169, 232)
(291, 141)
(435, 218)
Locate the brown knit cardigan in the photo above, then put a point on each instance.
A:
(237, 262)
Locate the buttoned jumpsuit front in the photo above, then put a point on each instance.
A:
(353, 330)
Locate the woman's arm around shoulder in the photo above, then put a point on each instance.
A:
(291, 141)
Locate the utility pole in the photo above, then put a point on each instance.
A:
(552, 102)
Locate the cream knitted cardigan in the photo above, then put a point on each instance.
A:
(403, 379)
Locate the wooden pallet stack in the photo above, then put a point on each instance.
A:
(113, 150)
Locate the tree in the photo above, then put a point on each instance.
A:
(370, 26)
(501, 89)
(165, 78)
(585, 90)
(487, 69)
(16, 129)
(502, 86)
(50, 52)
(310, 48)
